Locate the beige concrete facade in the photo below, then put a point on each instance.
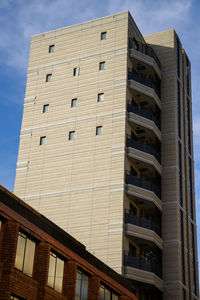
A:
(111, 190)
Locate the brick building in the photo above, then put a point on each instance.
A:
(38, 260)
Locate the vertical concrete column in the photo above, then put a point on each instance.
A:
(41, 268)
(69, 280)
(93, 288)
(8, 253)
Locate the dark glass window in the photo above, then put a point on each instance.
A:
(132, 250)
(188, 76)
(106, 294)
(180, 175)
(74, 102)
(99, 130)
(81, 286)
(76, 71)
(14, 297)
(179, 108)
(188, 126)
(71, 135)
(103, 35)
(178, 56)
(190, 188)
(182, 246)
(42, 140)
(25, 254)
(56, 268)
(193, 260)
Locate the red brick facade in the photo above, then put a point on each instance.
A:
(17, 216)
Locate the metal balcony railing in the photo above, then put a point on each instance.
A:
(144, 48)
(142, 183)
(142, 222)
(143, 264)
(145, 81)
(144, 113)
(143, 147)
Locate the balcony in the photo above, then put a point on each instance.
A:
(142, 222)
(143, 147)
(144, 184)
(144, 113)
(145, 81)
(145, 49)
(143, 264)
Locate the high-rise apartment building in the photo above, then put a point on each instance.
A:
(106, 149)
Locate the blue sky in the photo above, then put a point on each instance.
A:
(19, 19)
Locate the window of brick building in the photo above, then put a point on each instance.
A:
(25, 254)
(56, 268)
(81, 286)
(106, 294)
(14, 297)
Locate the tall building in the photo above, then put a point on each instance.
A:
(106, 149)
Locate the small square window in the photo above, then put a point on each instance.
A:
(99, 130)
(102, 65)
(71, 135)
(42, 140)
(48, 77)
(100, 97)
(45, 108)
(74, 102)
(76, 71)
(103, 35)
(51, 48)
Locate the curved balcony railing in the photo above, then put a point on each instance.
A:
(143, 147)
(144, 48)
(142, 222)
(144, 113)
(142, 183)
(141, 263)
(145, 81)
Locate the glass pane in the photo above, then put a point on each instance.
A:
(84, 287)
(59, 275)
(107, 294)
(29, 257)
(52, 265)
(101, 293)
(20, 252)
(78, 286)
(0, 223)
(114, 297)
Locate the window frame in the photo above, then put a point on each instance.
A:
(99, 96)
(51, 47)
(71, 136)
(81, 288)
(99, 128)
(102, 65)
(103, 35)
(74, 100)
(45, 106)
(49, 77)
(58, 259)
(25, 253)
(76, 71)
(43, 138)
